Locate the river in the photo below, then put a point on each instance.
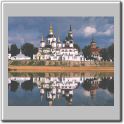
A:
(61, 89)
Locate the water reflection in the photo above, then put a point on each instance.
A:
(61, 89)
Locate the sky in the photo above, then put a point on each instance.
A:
(30, 29)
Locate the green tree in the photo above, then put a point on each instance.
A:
(14, 86)
(104, 54)
(35, 50)
(111, 51)
(87, 52)
(108, 53)
(9, 50)
(28, 49)
(14, 50)
(76, 46)
(27, 85)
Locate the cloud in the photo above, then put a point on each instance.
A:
(88, 31)
(107, 32)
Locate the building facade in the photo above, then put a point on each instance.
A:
(95, 51)
(20, 56)
(54, 49)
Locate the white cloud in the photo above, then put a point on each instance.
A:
(107, 32)
(85, 31)
(89, 30)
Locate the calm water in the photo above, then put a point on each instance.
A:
(61, 89)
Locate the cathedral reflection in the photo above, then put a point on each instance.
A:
(62, 86)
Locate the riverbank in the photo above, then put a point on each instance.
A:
(59, 69)
(59, 63)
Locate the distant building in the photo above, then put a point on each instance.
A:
(9, 56)
(20, 56)
(54, 49)
(95, 51)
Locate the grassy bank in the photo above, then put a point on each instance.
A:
(59, 63)
(61, 74)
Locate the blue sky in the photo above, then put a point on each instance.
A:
(29, 29)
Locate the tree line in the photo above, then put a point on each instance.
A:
(29, 49)
(107, 54)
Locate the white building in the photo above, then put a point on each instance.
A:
(20, 56)
(54, 49)
(9, 55)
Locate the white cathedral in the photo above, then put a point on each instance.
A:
(53, 49)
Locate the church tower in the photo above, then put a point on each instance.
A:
(70, 34)
(53, 43)
(42, 42)
(59, 45)
(51, 37)
(69, 39)
(93, 43)
(51, 30)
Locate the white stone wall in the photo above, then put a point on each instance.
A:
(54, 57)
(17, 58)
(72, 58)
(66, 51)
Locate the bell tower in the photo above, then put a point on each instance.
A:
(51, 37)
(42, 43)
(93, 43)
(70, 33)
(51, 30)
